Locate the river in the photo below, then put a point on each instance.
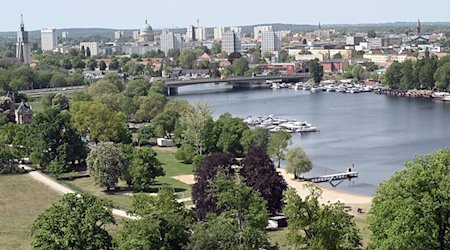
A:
(375, 133)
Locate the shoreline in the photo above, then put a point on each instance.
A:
(328, 195)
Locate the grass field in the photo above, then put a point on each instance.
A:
(122, 199)
(37, 106)
(21, 200)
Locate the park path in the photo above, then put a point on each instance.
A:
(44, 179)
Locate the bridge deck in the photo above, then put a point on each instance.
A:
(179, 83)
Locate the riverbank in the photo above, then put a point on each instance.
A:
(328, 195)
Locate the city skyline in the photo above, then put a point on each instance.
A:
(99, 14)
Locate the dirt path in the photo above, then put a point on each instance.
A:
(43, 178)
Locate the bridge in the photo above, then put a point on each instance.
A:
(237, 81)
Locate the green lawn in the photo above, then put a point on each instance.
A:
(37, 106)
(279, 237)
(22, 199)
(122, 199)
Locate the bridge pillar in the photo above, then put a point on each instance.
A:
(172, 91)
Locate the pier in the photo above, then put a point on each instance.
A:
(332, 178)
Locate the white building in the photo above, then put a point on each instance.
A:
(231, 42)
(270, 41)
(236, 30)
(93, 47)
(65, 34)
(200, 34)
(218, 33)
(23, 49)
(258, 30)
(190, 34)
(170, 41)
(49, 40)
(118, 34)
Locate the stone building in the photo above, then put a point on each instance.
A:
(24, 114)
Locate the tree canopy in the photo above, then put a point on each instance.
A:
(315, 226)
(76, 222)
(106, 164)
(297, 162)
(277, 146)
(412, 209)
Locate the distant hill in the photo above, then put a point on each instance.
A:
(108, 32)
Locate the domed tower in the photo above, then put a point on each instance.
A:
(146, 33)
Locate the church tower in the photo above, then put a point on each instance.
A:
(23, 49)
(418, 28)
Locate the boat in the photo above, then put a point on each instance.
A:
(275, 124)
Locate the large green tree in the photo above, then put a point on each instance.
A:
(277, 147)
(255, 138)
(106, 164)
(442, 77)
(297, 162)
(412, 209)
(144, 168)
(228, 132)
(76, 222)
(316, 70)
(315, 226)
(99, 122)
(192, 126)
(53, 139)
(164, 223)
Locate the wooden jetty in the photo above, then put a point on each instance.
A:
(332, 178)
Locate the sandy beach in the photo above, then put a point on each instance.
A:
(328, 195)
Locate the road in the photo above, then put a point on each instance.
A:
(43, 178)
(41, 92)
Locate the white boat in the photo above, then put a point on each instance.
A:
(446, 99)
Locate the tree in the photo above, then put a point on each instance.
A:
(228, 132)
(278, 143)
(67, 64)
(442, 77)
(241, 225)
(337, 56)
(77, 221)
(60, 102)
(192, 124)
(284, 56)
(164, 224)
(239, 66)
(83, 51)
(316, 70)
(54, 139)
(102, 65)
(260, 174)
(414, 204)
(144, 168)
(99, 122)
(255, 138)
(91, 63)
(136, 88)
(358, 72)
(77, 63)
(371, 34)
(297, 162)
(58, 80)
(407, 80)
(106, 163)
(186, 154)
(150, 106)
(216, 47)
(394, 75)
(204, 174)
(114, 64)
(88, 52)
(187, 58)
(144, 134)
(315, 226)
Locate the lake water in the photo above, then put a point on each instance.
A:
(376, 133)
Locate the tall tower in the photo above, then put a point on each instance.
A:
(419, 28)
(23, 49)
(320, 26)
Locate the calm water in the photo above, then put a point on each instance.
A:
(375, 133)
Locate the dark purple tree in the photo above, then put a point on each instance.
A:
(204, 174)
(260, 174)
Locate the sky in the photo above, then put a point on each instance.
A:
(131, 14)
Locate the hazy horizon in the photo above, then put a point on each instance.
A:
(160, 15)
